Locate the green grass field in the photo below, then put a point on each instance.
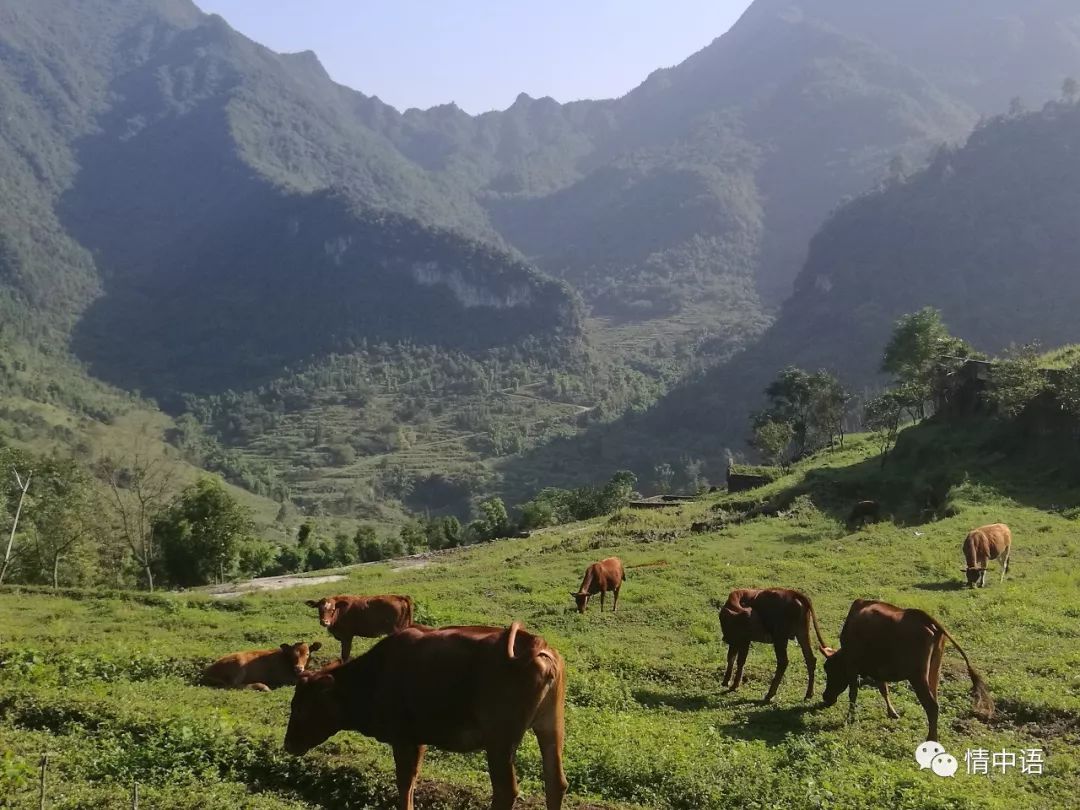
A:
(103, 682)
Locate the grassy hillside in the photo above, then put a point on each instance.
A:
(103, 681)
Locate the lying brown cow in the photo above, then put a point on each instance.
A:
(982, 545)
(886, 644)
(458, 688)
(364, 616)
(772, 615)
(863, 512)
(601, 577)
(260, 669)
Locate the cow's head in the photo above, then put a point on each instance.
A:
(837, 677)
(297, 654)
(315, 715)
(581, 599)
(972, 576)
(328, 610)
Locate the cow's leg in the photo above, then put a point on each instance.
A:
(889, 710)
(346, 648)
(780, 645)
(731, 651)
(929, 704)
(982, 577)
(602, 595)
(740, 662)
(407, 759)
(1005, 563)
(615, 602)
(258, 687)
(503, 779)
(853, 694)
(803, 637)
(548, 728)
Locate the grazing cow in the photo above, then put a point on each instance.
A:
(261, 670)
(364, 616)
(886, 644)
(601, 577)
(863, 512)
(772, 615)
(983, 544)
(457, 688)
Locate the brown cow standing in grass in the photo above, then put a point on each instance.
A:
(982, 545)
(457, 688)
(886, 644)
(601, 577)
(260, 669)
(772, 615)
(364, 616)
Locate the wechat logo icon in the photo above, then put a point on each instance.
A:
(932, 755)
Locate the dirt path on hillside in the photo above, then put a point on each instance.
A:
(279, 583)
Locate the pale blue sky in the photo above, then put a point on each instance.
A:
(482, 53)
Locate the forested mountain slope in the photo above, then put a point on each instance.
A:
(986, 233)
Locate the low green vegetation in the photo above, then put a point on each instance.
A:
(104, 681)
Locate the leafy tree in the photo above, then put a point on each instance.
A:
(344, 550)
(1017, 381)
(920, 353)
(256, 558)
(617, 492)
(882, 416)
(366, 541)
(495, 519)
(201, 533)
(64, 522)
(413, 537)
(774, 440)
(1068, 392)
(665, 475)
(829, 402)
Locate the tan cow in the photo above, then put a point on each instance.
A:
(365, 616)
(886, 644)
(261, 670)
(457, 688)
(986, 543)
(601, 577)
(773, 616)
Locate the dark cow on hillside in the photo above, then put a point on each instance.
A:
(982, 545)
(601, 577)
(261, 670)
(457, 688)
(886, 644)
(862, 513)
(773, 616)
(364, 616)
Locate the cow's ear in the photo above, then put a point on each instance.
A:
(286, 647)
(573, 594)
(312, 603)
(315, 647)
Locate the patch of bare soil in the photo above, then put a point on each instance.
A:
(270, 584)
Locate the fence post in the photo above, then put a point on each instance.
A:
(41, 788)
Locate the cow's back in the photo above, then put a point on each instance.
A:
(448, 686)
(254, 666)
(998, 537)
(374, 616)
(886, 641)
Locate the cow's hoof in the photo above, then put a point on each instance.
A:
(893, 715)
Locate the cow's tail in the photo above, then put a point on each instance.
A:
(407, 619)
(511, 639)
(982, 703)
(546, 658)
(824, 648)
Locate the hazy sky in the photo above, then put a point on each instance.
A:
(482, 53)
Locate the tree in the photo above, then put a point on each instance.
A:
(1017, 381)
(774, 440)
(829, 402)
(1069, 390)
(665, 475)
(24, 486)
(63, 519)
(138, 489)
(1070, 90)
(495, 518)
(201, 533)
(344, 550)
(882, 416)
(921, 353)
(366, 540)
(814, 405)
